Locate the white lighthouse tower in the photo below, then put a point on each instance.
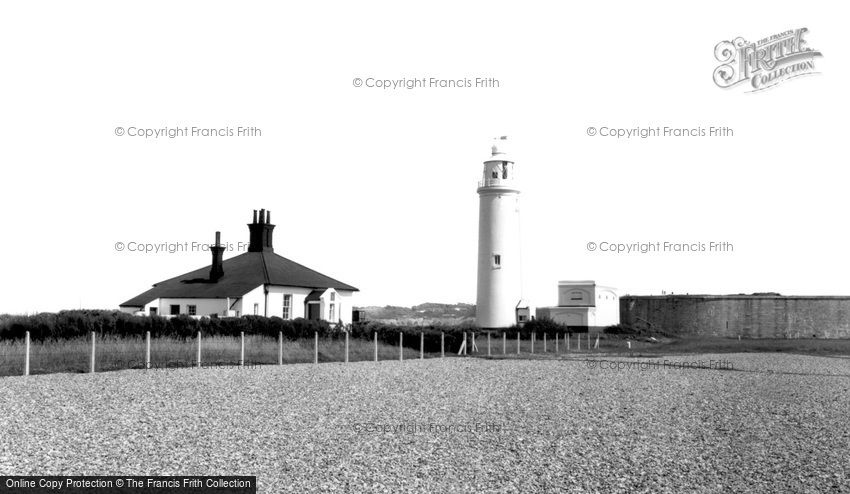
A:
(499, 277)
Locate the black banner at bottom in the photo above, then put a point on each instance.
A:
(128, 484)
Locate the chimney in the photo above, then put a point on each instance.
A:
(217, 269)
(261, 232)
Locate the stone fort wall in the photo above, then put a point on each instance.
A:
(739, 315)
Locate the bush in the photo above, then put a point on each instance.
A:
(75, 323)
(389, 334)
(544, 325)
(621, 329)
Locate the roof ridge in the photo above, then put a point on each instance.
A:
(266, 269)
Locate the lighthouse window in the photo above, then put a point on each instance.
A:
(504, 169)
(497, 260)
(495, 174)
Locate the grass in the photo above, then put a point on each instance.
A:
(116, 353)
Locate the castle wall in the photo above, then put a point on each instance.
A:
(745, 316)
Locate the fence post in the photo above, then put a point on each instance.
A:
(532, 341)
(400, 347)
(567, 339)
(376, 345)
(578, 341)
(442, 344)
(27, 354)
(242, 349)
(346, 347)
(557, 337)
(488, 343)
(315, 347)
(504, 343)
(464, 343)
(517, 342)
(544, 342)
(93, 336)
(588, 339)
(280, 348)
(421, 345)
(147, 350)
(199, 348)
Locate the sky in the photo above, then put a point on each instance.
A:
(376, 186)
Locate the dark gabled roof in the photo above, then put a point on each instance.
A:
(242, 274)
(315, 295)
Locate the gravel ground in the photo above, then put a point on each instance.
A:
(777, 423)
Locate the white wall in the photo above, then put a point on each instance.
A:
(343, 304)
(571, 316)
(203, 306)
(607, 306)
(276, 294)
(566, 292)
(255, 296)
(499, 287)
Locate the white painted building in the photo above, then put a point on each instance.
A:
(499, 294)
(258, 282)
(584, 304)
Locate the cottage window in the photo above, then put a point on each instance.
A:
(332, 313)
(175, 309)
(256, 309)
(287, 306)
(192, 309)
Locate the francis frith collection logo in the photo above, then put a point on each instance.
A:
(765, 63)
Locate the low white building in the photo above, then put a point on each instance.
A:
(584, 304)
(258, 282)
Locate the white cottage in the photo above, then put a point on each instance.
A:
(258, 282)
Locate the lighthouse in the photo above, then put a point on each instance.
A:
(499, 266)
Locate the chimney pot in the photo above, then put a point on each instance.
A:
(261, 232)
(217, 268)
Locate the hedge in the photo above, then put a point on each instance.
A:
(75, 323)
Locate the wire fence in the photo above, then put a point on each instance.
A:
(97, 353)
